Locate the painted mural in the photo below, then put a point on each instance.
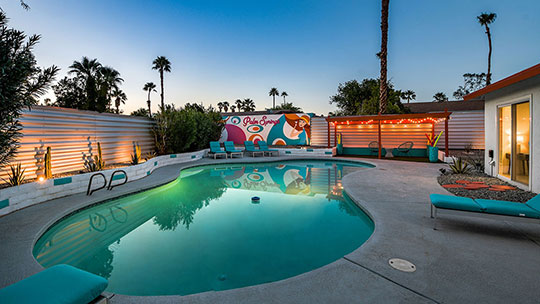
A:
(275, 129)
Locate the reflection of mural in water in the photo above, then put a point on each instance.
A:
(95, 230)
(288, 179)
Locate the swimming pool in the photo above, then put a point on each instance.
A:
(204, 232)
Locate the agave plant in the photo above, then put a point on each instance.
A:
(16, 177)
(149, 155)
(458, 166)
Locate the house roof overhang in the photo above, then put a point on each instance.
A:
(510, 80)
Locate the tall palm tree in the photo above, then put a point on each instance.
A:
(485, 19)
(233, 108)
(273, 92)
(249, 105)
(162, 64)
(239, 105)
(284, 94)
(119, 98)
(149, 87)
(383, 84)
(408, 95)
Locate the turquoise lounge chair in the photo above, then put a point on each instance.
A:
(264, 147)
(215, 149)
(250, 148)
(231, 150)
(58, 284)
(529, 210)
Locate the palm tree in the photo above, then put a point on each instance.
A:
(239, 105)
(226, 106)
(119, 98)
(108, 79)
(408, 95)
(149, 87)
(273, 92)
(249, 105)
(87, 71)
(284, 94)
(233, 108)
(220, 106)
(440, 97)
(383, 84)
(485, 19)
(162, 64)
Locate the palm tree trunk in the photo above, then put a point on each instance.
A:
(273, 101)
(488, 76)
(284, 100)
(162, 102)
(383, 88)
(149, 104)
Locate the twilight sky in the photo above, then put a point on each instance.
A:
(225, 50)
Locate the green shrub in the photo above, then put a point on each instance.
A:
(186, 129)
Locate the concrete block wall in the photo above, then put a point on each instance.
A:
(15, 198)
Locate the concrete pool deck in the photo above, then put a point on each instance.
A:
(468, 259)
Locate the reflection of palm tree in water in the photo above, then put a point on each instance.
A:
(100, 263)
(188, 197)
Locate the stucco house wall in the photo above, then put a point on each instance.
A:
(526, 90)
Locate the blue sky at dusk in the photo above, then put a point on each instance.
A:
(225, 50)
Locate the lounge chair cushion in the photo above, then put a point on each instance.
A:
(455, 202)
(508, 208)
(534, 203)
(58, 284)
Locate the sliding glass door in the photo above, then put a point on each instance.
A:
(514, 142)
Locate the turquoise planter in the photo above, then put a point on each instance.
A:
(433, 154)
(339, 149)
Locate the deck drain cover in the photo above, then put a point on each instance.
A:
(402, 265)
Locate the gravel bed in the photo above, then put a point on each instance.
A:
(516, 195)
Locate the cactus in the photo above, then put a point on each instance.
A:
(100, 163)
(136, 157)
(47, 161)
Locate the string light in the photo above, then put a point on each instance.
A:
(404, 121)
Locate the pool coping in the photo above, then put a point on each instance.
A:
(364, 262)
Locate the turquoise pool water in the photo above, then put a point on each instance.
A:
(203, 232)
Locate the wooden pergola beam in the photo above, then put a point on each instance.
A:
(445, 114)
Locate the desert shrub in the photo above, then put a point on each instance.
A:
(186, 129)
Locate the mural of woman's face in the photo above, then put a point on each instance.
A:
(302, 123)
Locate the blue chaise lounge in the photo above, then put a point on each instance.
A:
(58, 284)
(231, 150)
(530, 209)
(215, 149)
(250, 148)
(264, 147)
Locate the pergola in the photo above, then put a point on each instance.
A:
(417, 118)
